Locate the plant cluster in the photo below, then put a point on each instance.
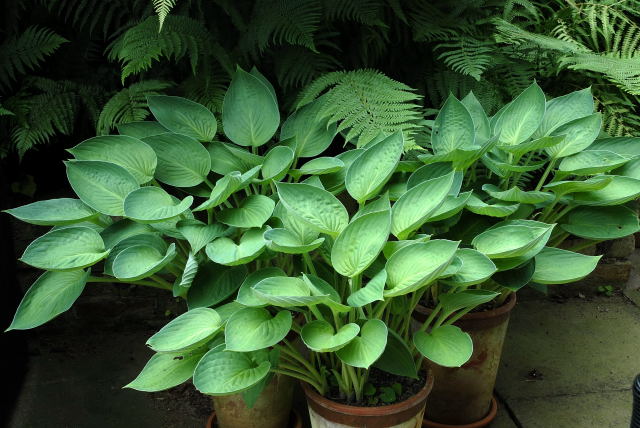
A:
(286, 242)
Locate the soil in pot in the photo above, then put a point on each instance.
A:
(408, 413)
(464, 395)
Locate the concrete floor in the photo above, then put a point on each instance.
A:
(585, 352)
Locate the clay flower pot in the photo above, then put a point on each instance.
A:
(271, 410)
(464, 396)
(295, 421)
(325, 413)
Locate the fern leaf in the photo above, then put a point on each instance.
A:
(128, 105)
(162, 8)
(467, 55)
(22, 53)
(624, 72)
(512, 34)
(364, 102)
(368, 12)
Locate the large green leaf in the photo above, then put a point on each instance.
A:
(481, 123)
(321, 288)
(221, 191)
(320, 336)
(65, 249)
(397, 358)
(360, 242)
(144, 238)
(181, 285)
(316, 207)
(251, 329)
(286, 241)
(226, 158)
(334, 182)
(465, 299)
(225, 251)
(198, 233)
(245, 293)
(183, 116)
(561, 188)
(122, 229)
(579, 134)
(529, 146)
(414, 207)
(227, 372)
(564, 109)
(187, 331)
(152, 204)
(514, 194)
(50, 295)
(128, 152)
(320, 166)
(310, 135)
(54, 212)
(164, 371)
(367, 347)
(495, 209)
(276, 163)
(624, 146)
(214, 283)
(589, 162)
(250, 114)
(451, 206)
(476, 268)
(556, 266)
(254, 211)
(140, 261)
(516, 278)
(371, 292)
(141, 129)
(286, 292)
(446, 345)
(511, 240)
(416, 265)
(182, 160)
(618, 191)
(520, 119)
(601, 223)
(373, 168)
(101, 185)
(453, 128)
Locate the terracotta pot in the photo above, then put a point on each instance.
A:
(295, 421)
(325, 413)
(464, 395)
(271, 410)
(493, 411)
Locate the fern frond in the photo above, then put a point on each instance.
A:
(284, 21)
(364, 102)
(368, 12)
(512, 34)
(128, 105)
(24, 52)
(624, 72)
(297, 66)
(520, 10)
(162, 8)
(467, 55)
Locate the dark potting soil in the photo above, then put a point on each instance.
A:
(381, 380)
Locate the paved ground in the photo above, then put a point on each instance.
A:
(568, 362)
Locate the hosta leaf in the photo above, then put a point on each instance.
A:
(330, 297)
(286, 292)
(431, 171)
(480, 120)
(579, 134)
(316, 207)
(556, 266)
(464, 299)
(564, 109)
(360, 242)
(221, 191)
(183, 116)
(373, 168)
(251, 329)
(451, 206)
(446, 345)
(496, 209)
(416, 265)
(529, 146)
(589, 162)
(189, 330)
(453, 128)
(521, 238)
(367, 347)
(226, 252)
(276, 163)
(414, 207)
(152, 204)
(334, 182)
(310, 135)
(285, 241)
(320, 336)
(514, 194)
(214, 283)
(521, 117)
(227, 372)
(618, 191)
(141, 129)
(182, 160)
(226, 158)
(250, 115)
(393, 246)
(516, 278)
(198, 233)
(624, 146)
(380, 204)
(54, 212)
(128, 152)
(601, 223)
(561, 188)
(65, 249)
(164, 371)
(370, 293)
(140, 261)
(145, 238)
(101, 185)
(50, 295)
(321, 165)
(245, 293)
(181, 286)
(122, 229)
(476, 268)
(254, 211)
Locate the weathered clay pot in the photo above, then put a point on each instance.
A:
(295, 421)
(464, 395)
(271, 409)
(325, 413)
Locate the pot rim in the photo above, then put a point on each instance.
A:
(506, 307)
(373, 411)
